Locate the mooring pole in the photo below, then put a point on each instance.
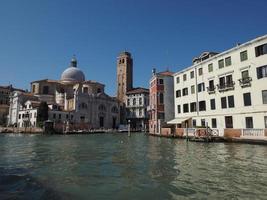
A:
(186, 127)
(129, 128)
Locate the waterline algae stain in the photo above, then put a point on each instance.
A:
(115, 166)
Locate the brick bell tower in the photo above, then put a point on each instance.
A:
(124, 81)
(124, 75)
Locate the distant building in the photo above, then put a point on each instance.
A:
(137, 101)
(226, 91)
(161, 101)
(72, 99)
(5, 92)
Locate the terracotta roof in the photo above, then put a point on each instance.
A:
(46, 80)
(11, 88)
(91, 81)
(165, 73)
(138, 90)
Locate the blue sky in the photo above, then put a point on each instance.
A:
(38, 38)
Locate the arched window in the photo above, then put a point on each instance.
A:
(114, 109)
(98, 90)
(134, 101)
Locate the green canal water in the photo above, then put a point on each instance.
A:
(115, 166)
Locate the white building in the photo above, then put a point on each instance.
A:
(136, 103)
(227, 91)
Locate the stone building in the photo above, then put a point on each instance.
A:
(136, 103)
(73, 99)
(161, 101)
(5, 92)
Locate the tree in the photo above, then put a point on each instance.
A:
(42, 113)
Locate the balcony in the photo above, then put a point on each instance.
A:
(226, 86)
(211, 89)
(245, 82)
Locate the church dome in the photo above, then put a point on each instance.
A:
(73, 74)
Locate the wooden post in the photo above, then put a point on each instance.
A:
(129, 128)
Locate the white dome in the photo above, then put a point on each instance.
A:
(73, 74)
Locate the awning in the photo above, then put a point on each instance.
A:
(178, 120)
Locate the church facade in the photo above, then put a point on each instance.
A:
(72, 99)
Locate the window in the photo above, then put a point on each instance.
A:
(222, 81)
(54, 116)
(212, 104)
(211, 85)
(202, 105)
(134, 101)
(245, 74)
(203, 123)
(140, 101)
(210, 67)
(194, 122)
(161, 81)
(192, 89)
(192, 74)
(179, 109)
(264, 96)
(19, 116)
(59, 116)
(231, 101)
(221, 63)
(223, 102)
(228, 61)
(140, 112)
(67, 116)
(161, 98)
(33, 88)
(178, 93)
(247, 99)
(249, 122)
(184, 77)
(265, 121)
(229, 80)
(262, 72)
(193, 107)
(185, 91)
(200, 71)
(185, 108)
(45, 90)
(213, 123)
(228, 122)
(261, 50)
(128, 102)
(85, 90)
(201, 87)
(243, 56)
(177, 79)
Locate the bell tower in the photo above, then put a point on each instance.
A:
(124, 75)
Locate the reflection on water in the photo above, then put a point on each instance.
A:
(115, 166)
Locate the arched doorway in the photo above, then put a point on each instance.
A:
(114, 120)
(101, 121)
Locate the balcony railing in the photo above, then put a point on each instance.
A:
(211, 89)
(253, 133)
(245, 82)
(226, 86)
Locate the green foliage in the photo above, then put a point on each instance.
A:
(42, 113)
